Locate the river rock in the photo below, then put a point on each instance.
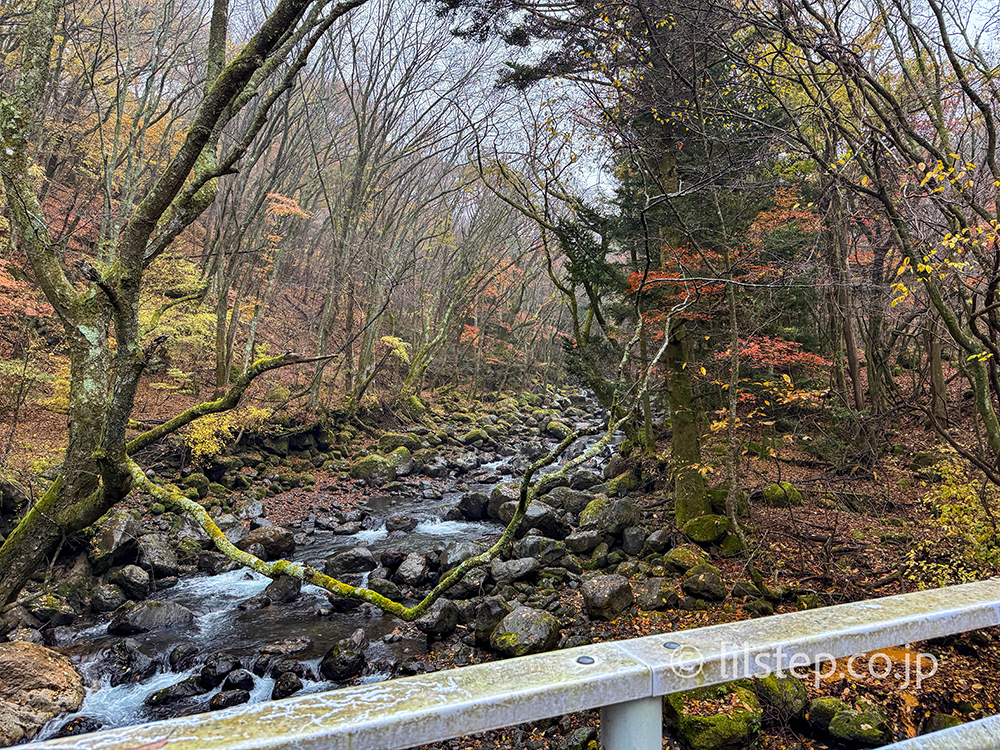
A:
(489, 613)
(472, 584)
(36, 684)
(732, 729)
(658, 542)
(681, 559)
(79, 725)
(51, 611)
(181, 656)
(375, 470)
(546, 551)
(133, 580)
(456, 553)
(584, 480)
(558, 430)
(400, 523)
(538, 516)
(612, 516)
(228, 699)
(439, 620)
(346, 659)
(124, 664)
(525, 631)
(217, 668)
(822, 710)
(865, 728)
(288, 683)
(157, 556)
(706, 529)
(238, 679)
(633, 540)
(504, 492)
(115, 541)
(401, 460)
(653, 594)
(607, 597)
(704, 581)
(149, 616)
(355, 560)
(413, 570)
(473, 506)
(187, 688)
(107, 597)
(583, 541)
(277, 542)
(781, 698)
(390, 441)
(283, 589)
(508, 571)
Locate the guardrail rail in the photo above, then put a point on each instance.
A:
(625, 679)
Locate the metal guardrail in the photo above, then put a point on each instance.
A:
(625, 679)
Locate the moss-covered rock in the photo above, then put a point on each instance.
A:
(389, 441)
(558, 430)
(474, 436)
(721, 717)
(621, 484)
(781, 698)
(866, 728)
(197, 482)
(731, 546)
(717, 499)
(684, 557)
(704, 581)
(401, 460)
(611, 516)
(706, 529)
(525, 631)
(937, 722)
(822, 710)
(926, 459)
(375, 470)
(414, 407)
(782, 495)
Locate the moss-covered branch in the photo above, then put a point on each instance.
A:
(229, 400)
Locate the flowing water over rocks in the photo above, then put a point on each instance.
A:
(235, 625)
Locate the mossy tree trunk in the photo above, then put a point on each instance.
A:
(690, 495)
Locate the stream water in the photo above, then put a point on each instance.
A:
(220, 626)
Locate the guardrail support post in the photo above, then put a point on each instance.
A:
(636, 725)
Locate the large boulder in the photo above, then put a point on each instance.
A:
(611, 516)
(157, 556)
(375, 470)
(115, 541)
(276, 541)
(607, 597)
(36, 684)
(781, 698)
(525, 631)
(413, 570)
(721, 717)
(473, 505)
(148, 616)
(283, 589)
(684, 557)
(401, 460)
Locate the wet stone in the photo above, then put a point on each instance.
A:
(288, 683)
(228, 698)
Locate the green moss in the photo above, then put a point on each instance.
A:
(706, 529)
(782, 495)
(732, 716)
(621, 484)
